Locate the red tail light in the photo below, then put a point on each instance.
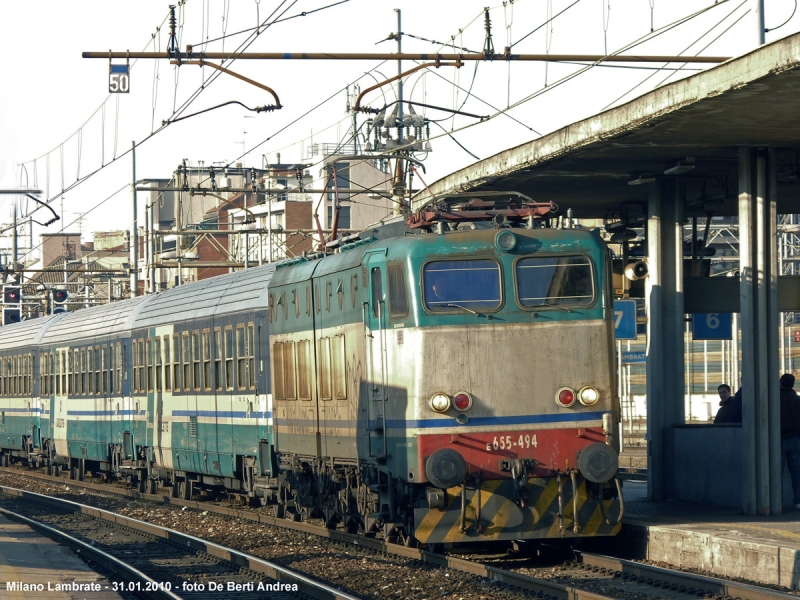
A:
(462, 401)
(565, 397)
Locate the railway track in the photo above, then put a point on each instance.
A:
(589, 577)
(157, 562)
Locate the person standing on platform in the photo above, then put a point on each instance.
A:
(730, 407)
(790, 432)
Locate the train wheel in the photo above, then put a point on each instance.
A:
(407, 539)
(355, 526)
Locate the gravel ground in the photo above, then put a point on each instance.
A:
(358, 571)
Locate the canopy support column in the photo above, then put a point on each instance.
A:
(665, 370)
(758, 291)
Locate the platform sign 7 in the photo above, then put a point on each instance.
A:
(712, 326)
(118, 79)
(625, 319)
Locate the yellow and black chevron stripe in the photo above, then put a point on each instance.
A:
(502, 518)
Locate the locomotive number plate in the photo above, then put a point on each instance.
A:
(509, 442)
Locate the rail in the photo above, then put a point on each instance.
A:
(679, 580)
(305, 584)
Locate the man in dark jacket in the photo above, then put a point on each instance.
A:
(790, 432)
(730, 407)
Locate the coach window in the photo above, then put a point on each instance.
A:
(544, 281)
(241, 356)
(120, 362)
(186, 352)
(98, 365)
(285, 303)
(159, 365)
(296, 302)
(167, 363)
(104, 369)
(196, 349)
(316, 297)
(207, 360)
(64, 355)
(89, 367)
(229, 358)
(84, 373)
(135, 362)
(51, 370)
(218, 359)
(142, 368)
(148, 357)
(176, 363)
(398, 298)
(461, 285)
(251, 355)
(43, 378)
(110, 366)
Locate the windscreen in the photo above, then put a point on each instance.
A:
(453, 284)
(557, 280)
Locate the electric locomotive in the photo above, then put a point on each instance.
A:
(451, 384)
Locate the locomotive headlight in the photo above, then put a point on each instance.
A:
(565, 397)
(440, 402)
(462, 401)
(588, 396)
(505, 241)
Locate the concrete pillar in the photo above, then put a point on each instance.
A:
(665, 318)
(761, 467)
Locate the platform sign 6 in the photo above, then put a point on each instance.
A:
(712, 326)
(625, 319)
(118, 79)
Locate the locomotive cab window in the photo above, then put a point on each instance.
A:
(398, 299)
(554, 281)
(461, 285)
(377, 291)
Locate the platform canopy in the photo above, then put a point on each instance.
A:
(752, 100)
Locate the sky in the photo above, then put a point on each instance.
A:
(60, 129)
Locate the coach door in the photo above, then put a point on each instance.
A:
(375, 344)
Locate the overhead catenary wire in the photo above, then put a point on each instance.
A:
(612, 103)
(660, 83)
(66, 188)
(304, 13)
